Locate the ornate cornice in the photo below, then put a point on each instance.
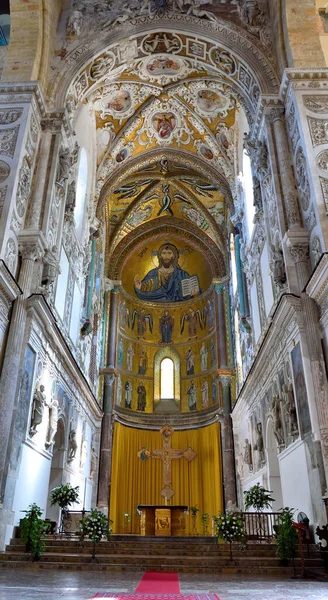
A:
(23, 92)
(305, 79)
(178, 421)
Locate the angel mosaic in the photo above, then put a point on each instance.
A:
(194, 320)
(141, 319)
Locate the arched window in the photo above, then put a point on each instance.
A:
(81, 188)
(249, 194)
(4, 23)
(167, 379)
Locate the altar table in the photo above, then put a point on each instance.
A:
(162, 520)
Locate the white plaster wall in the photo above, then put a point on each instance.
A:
(295, 480)
(255, 312)
(85, 129)
(62, 284)
(266, 279)
(32, 484)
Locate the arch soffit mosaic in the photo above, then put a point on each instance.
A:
(147, 205)
(181, 158)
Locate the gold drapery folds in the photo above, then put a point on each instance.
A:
(197, 483)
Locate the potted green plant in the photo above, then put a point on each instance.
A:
(230, 527)
(32, 531)
(193, 510)
(205, 518)
(286, 536)
(64, 495)
(260, 498)
(95, 526)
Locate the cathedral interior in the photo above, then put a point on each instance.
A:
(163, 255)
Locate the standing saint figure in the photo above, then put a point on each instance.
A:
(119, 391)
(209, 314)
(142, 396)
(259, 445)
(190, 362)
(143, 362)
(212, 351)
(166, 324)
(204, 390)
(214, 389)
(291, 410)
(129, 358)
(192, 393)
(53, 423)
(248, 455)
(128, 394)
(39, 401)
(72, 445)
(120, 353)
(203, 357)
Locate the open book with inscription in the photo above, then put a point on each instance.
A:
(190, 286)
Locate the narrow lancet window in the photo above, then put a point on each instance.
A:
(167, 379)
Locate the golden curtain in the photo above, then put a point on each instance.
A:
(198, 483)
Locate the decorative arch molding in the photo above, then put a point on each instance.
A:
(167, 352)
(180, 157)
(163, 226)
(253, 61)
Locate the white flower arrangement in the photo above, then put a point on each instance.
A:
(64, 495)
(230, 527)
(96, 526)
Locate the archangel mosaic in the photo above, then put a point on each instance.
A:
(164, 266)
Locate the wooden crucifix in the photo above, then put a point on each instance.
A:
(166, 454)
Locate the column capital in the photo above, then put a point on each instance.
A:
(221, 284)
(297, 242)
(225, 376)
(32, 244)
(273, 112)
(112, 285)
(53, 122)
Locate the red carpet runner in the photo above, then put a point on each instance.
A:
(159, 583)
(157, 586)
(121, 596)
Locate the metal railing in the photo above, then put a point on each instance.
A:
(261, 526)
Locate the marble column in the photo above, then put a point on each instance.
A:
(229, 473)
(295, 237)
(31, 248)
(107, 425)
(219, 288)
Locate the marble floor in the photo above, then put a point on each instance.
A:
(36, 584)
